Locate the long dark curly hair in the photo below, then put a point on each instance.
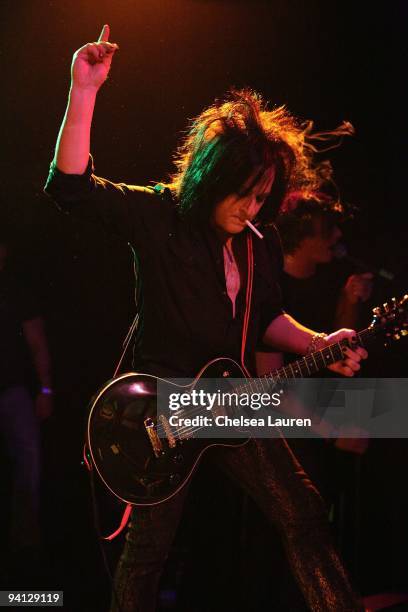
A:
(237, 138)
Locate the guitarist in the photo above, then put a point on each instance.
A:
(191, 239)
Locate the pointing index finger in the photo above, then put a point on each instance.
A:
(104, 35)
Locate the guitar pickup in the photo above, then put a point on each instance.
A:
(167, 430)
(153, 437)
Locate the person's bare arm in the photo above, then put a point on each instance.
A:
(90, 68)
(288, 335)
(34, 334)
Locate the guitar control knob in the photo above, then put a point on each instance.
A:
(174, 479)
(179, 458)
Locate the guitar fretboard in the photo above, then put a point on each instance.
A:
(307, 365)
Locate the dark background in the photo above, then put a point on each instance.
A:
(326, 61)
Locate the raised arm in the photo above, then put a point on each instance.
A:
(89, 70)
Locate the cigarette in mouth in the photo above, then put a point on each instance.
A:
(253, 228)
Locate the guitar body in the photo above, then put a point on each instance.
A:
(121, 423)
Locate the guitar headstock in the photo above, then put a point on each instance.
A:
(391, 319)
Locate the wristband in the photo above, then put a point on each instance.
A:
(316, 342)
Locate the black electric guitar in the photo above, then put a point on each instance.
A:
(143, 461)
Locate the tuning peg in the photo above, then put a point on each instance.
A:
(386, 307)
(396, 337)
(377, 311)
(404, 332)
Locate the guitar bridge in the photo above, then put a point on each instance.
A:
(167, 430)
(153, 437)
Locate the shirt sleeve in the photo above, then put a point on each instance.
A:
(135, 214)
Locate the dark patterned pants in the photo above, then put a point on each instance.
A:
(270, 474)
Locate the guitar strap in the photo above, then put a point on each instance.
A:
(248, 300)
(87, 461)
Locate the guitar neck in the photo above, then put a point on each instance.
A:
(319, 360)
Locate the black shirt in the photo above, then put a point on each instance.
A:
(187, 312)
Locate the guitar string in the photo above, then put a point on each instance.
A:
(273, 380)
(190, 430)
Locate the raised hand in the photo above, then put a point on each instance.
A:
(358, 287)
(91, 63)
(90, 68)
